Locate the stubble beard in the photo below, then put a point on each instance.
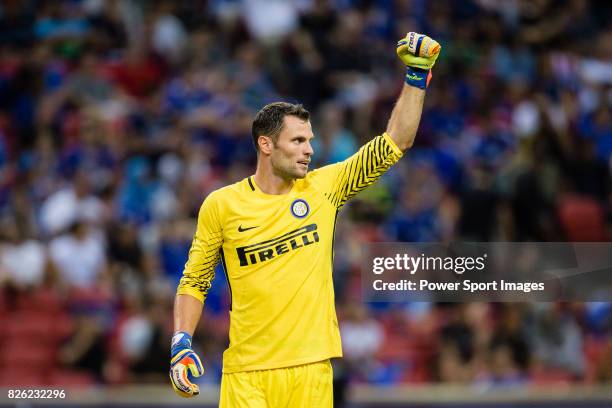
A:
(288, 173)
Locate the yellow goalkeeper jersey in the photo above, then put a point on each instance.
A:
(277, 253)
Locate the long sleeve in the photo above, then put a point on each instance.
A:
(341, 181)
(204, 253)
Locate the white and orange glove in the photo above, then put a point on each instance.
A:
(184, 361)
(419, 53)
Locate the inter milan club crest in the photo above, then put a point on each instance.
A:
(299, 208)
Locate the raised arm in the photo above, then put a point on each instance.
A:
(419, 53)
(405, 117)
(341, 181)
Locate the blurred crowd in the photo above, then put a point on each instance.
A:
(118, 117)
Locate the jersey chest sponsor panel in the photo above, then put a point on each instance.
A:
(272, 248)
(260, 230)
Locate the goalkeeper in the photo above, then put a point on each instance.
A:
(273, 232)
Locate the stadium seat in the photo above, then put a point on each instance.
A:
(36, 357)
(42, 301)
(21, 377)
(28, 324)
(396, 349)
(582, 218)
(594, 351)
(541, 375)
(42, 328)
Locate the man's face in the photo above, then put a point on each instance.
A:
(291, 153)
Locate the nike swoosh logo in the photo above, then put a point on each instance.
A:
(240, 229)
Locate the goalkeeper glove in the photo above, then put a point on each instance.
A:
(419, 53)
(183, 358)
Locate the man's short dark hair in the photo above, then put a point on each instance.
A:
(270, 119)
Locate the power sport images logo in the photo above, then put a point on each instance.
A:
(272, 248)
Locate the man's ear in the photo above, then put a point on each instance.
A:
(265, 144)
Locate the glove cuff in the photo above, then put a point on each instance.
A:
(418, 77)
(180, 341)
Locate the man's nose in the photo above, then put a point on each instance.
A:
(309, 151)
